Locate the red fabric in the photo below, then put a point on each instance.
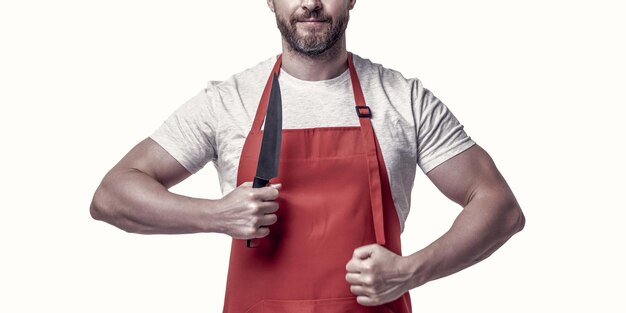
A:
(331, 176)
(369, 139)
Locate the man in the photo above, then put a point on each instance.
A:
(328, 227)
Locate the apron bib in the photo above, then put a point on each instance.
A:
(335, 197)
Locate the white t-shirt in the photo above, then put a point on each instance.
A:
(412, 126)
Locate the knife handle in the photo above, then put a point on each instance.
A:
(257, 183)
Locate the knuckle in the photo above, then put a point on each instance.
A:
(249, 232)
(254, 207)
(368, 265)
(368, 280)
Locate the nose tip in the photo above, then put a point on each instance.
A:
(312, 5)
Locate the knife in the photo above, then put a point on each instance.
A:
(269, 156)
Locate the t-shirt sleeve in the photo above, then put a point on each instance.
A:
(189, 133)
(440, 136)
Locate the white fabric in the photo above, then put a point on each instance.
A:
(412, 126)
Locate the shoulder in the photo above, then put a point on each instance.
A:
(374, 74)
(256, 73)
(245, 81)
(388, 82)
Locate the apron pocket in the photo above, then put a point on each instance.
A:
(334, 305)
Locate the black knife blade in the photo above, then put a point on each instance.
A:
(269, 156)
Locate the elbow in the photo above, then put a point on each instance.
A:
(521, 221)
(97, 206)
(103, 205)
(515, 219)
(105, 208)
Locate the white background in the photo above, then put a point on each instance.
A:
(538, 84)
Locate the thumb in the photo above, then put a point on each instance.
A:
(277, 186)
(364, 252)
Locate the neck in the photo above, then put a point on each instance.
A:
(327, 65)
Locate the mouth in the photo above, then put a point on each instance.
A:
(312, 22)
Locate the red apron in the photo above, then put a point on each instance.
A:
(335, 197)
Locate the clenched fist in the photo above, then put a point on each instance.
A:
(246, 212)
(377, 275)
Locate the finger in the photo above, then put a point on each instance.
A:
(246, 184)
(364, 252)
(359, 290)
(268, 207)
(268, 193)
(268, 219)
(353, 266)
(277, 186)
(357, 279)
(366, 301)
(262, 232)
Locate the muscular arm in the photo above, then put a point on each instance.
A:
(134, 196)
(490, 216)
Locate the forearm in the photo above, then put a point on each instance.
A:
(135, 202)
(485, 224)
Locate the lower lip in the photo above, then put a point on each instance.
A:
(312, 23)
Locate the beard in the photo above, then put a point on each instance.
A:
(317, 41)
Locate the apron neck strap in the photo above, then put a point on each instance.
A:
(359, 99)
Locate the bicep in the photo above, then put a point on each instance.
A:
(150, 158)
(470, 172)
